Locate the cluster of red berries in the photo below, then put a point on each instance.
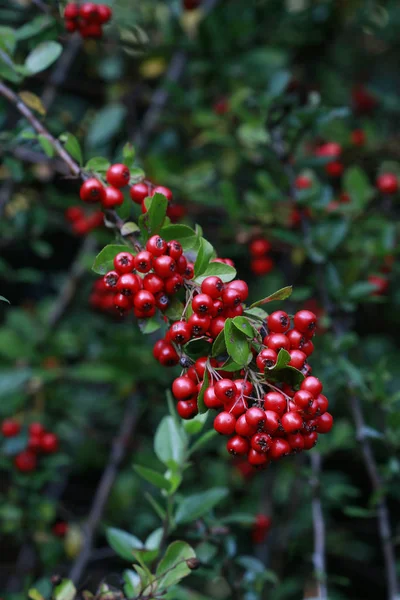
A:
(82, 223)
(102, 297)
(87, 18)
(40, 441)
(261, 262)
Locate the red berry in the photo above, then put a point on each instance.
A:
(49, 443)
(303, 399)
(124, 262)
(181, 265)
(36, 429)
(334, 169)
(322, 403)
(162, 301)
(156, 245)
(104, 13)
(256, 417)
(187, 409)
(277, 341)
(266, 358)
(296, 339)
(180, 332)
(259, 247)
(202, 304)
(189, 271)
(324, 423)
(231, 297)
(139, 192)
(88, 11)
(225, 423)
(217, 326)
(240, 286)
(387, 183)
(199, 324)
(292, 422)
(111, 279)
(173, 284)
(310, 439)
(25, 461)
(92, 30)
(237, 445)
(210, 399)
(168, 356)
(261, 442)
(225, 390)
(60, 529)
(10, 428)
(74, 213)
(358, 137)
(128, 284)
(312, 385)
(381, 284)
(279, 448)
(153, 283)
(296, 441)
(71, 11)
(144, 301)
(174, 250)
(92, 191)
(221, 106)
(160, 189)
(330, 149)
(183, 388)
(276, 402)
(71, 25)
(122, 303)
(305, 321)
(262, 266)
(164, 266)
(212, 286)
(158, 346)
(272, 422)
(256, 458)
(112, 197)
(143, 261)
(302, 182)
(297, 359)
(308, 348)
(243, 428)
(243, 387)
(278, 321)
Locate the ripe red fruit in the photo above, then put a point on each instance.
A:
(153, 283)
(279, 448)
(231, 297)
(255, 417)
(189, 271)
(160, 189)
(199, 325)
(303, 399)
(210, 399)
(187, 409)
(167, 356)
(180, 332)
(156, 245)
(202, 304)
(71, 11)
(104, 12)
(387, 183)
(225, 423)
(259, 247)
(324, 423)
(36, 429)
(174, 250)
(143, 261)
(183, 388)
(278, 321)
(305, 321)
(237, 445)
(312, 384)
(272, 422)
(74, 213)
(128, 284)
(49, 443)
(243, 387)
(243, 428)
(122, 303)
(296, 441)
(381, 284)
(112, 197)
(308, 348)
(10, 428)
(225, 390)
(118, 175)
(110, 279)
(302, 182)
(173, 284)
(262, 266)
(158, 346)
(276, 402)
(25, 461)
(138, 192)
(260, 529)
(296, 339)
(212, 286)
(330, 149)
(144, 301)
(358, 137)
(92, 191)
(266, 358)
(261, 442)
(91, 30)
(322, 403)
(334, 169)
(256, 458)
(292, 422)
(88, 11)
(297, 359)
(162, 301)
(217, 326)
(71, 25)
(124, 262)
(277, 341)
(164, 266)
(240, 286)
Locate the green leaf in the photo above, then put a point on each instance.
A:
(195, 425)
(359, 512)
(197, 347)
(104, 261)
(195, 506)
(237, 344)
(137, 174)
(360, 290)
(128, 155)
(33, 27)
(256, 313)
(231, 366)
(153, 477)
(181, 233)
(106, 124)
(132, 583)
(170, 442)
(72, 146)
(282, 372)
(224, 272)
(123, 543)
(173, 567)
(281, 294)
(151, 222)
(219, 345)
(243, 325)
(42, 56)
(34, 594)
(204, 255)
(203, 440)
(200, 399)
(151, 325)
(46, 145)
(97, 164)
(2, 299)
(174, 310)
(7, 39)
(356, 184)
(129, 227)
(14, 445)
(64, 590)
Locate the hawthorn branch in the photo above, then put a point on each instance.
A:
(117, 455)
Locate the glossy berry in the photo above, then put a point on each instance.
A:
(387, 183)
(297, 359)
(183, 388)
(278, 321)
(187, 409)
(36, 429)
(25, 461)
(266, 359)
(276, 402)
(128, 284)
(296, 442)
(305, 321)
(212, 286)
(180, 332)
(199, 324)
(160, 189)
(255, 417)
(104, 13)
(122, 303)
(10, 428)
(153, 283)
(71, 11)
(162, 301)
(310, 439)
(231, 297)
(138, 192)
(210, 399)
(272, 422)
(112, 197)
(202, 304)
(124, 262)
(292, 422)
(144, 301)
(225, 423)
(279, 448)
(238, 445)
(92, 191)
(118, 175)
(111, 279)
(168, 356)
(261, 442)
(259, 247)
(303, 399)
(225, 390)
(88, 11)
(49, 443)
(324, 423)
(164, 266)
(302, 182)
(143, 261)
(277, 341)
(257, 459)
(240, 286)
(173, 284)
(262, 266)
(312, 385)
(156, 245)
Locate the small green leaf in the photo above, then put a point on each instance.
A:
(237, 344)
(203, 440)
(2, 299)
(132, 583)
(360, 290)
(174, 310)
(204, 255)
(224, 272)
(34, 594)
(151, 325)
(219, 345)
(200, 399)
(170, 442)
(152, 477)
(181, 233)
(42, 56)
(104, 261)
(123, 543)
(33, 27)
(129, 227)
(281, 294)
(195, 425)
(173, 567)
(13, 445)
(128, 155)
(243, 325)
(282, 372)
(97, 164)
(151, 222)
(197, 348)
(106, 124)
(65, 590)
(195, 506)
(72, 146)
(256, 313)
(46, 145)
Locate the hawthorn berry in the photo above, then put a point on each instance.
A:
(387, 183)
(111, 279)
(174, 250)
(183, 388)
(144, 301)
(291, 422)
(277, 341)
(199, 324)
(49, 443)
(210, 399)
(71, 11)
(92, 191)
(224, 423)
(305, 321)
(138, 192)
(187, 409)
(167, 356)
(10, 428)
(36, 429)
(25, 461)
(324, 423)
(225, 390)
(256, 417)
(143, 261)
(261, 442)
(164, 266)
(279, 448)
(259, 247)
(272, 422)
(160, 189)
(162, 301)
(276, 402)
(173, 284)
(153, 283)
(262, 266)
(241, 287)
(297, 359)
(256, 458)
(212, 286)
(180, 332)
(124, 262)
(156, 245)
(237, 445)
(278, 321)
(202, 304)
(312, 385)
(122, 303)
(358, 137)
(266, 358)
(128, 284)
(112, 197)
(118, 175)
(104, 13)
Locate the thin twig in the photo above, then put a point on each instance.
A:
(319, 559)
(117, 455)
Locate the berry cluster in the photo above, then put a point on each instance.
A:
(82, 223)
(261, 263)
(40, 441)
(102, 297)
(87, 18)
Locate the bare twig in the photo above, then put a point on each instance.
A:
(319, 528)
(117, 454)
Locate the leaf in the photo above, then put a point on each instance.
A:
(7, 39)
(197, 347)
(225, 272)
(219, 345)
(360, 290)
(106, 124)
(195, 506)
(65, 590)
(104, 261)
(203, 440)
(147, 326)
(356, 184)
(281, 294)
(200, 399)
(132, 583)
(359, 512)
(151, 222)
(174, 310)
(128, 155)
(236, 344)
(34, 594)
(282, 372)
(72, 146)
(97, 164)
(2, 299)
(33, 27)
(181, 233)
(153, 540)
(173, 566)
(153, 477)
(123, 543)
(170, 442)
(256, 313)
(42, 56)
(33, 101)
(46, 145)
(243, 325)
(129, 227)
(204, 255)
(195, 425)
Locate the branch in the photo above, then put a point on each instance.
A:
(117, 455)
(319, 559)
